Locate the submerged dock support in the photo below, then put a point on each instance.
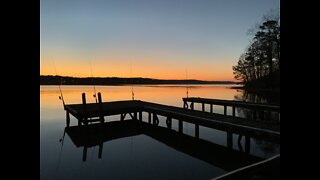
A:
(84, 154)
(239, 142)
(229, 139)
(68, 118)
(247, 144)
(100, 150)
(196, 131)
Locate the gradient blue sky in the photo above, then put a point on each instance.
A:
(159, 38)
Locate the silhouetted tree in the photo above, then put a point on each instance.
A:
(262, 57)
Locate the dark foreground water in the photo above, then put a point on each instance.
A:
(139, 156)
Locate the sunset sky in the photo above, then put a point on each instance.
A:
(158, 38)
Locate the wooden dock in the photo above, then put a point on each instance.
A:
(263, 109)
(95, 112)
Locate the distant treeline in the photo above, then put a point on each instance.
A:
(65, 80)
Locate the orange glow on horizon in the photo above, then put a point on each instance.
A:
(119, 66)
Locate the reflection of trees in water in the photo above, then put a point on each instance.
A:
(268, 148)
(265, 146)
(256, 98)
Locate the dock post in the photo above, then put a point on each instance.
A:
(211, 108)
(185, 105)
(122, 116)
(233, 111)
(84, 106)
(155, 119)
(262, 115)
(229, 139)
(202, 106)
(100, 150)
(197, 131)
(180, 126)
(68, 118)
(239, 143)
(100, 108)
(84, 154)
(135, 116)
(225, 110)
(254, 115)
(247, 144)
(149, 117)
(169, 122)
(140, 115)
(191, 106)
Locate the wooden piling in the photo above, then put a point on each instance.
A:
(239, 138)
(101, 117)
(239, 143)
(135, 116)
(68, 118)
(203, 107)
(155, 119)
(211, 108)
(180, 126)
(185, 105)
(169, 122)
(122, 116)
(225, 110)
(84, 106)
(140, 115)
(191, 106)
(233, 111)
(84, 154)
(247, 144)
(254, 114)
(196, 131)
(100, 150)
(229, 139)
(149, 117)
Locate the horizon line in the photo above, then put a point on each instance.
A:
(144, 78)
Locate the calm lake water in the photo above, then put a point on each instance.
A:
(139, 156)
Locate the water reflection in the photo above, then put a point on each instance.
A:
(97, 134)
(141, 156)
(271, 117)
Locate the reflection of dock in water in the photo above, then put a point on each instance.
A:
(217, 155)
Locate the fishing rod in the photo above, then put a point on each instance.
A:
(132, 93)
(187, 82)
(94, 87)
(61, 95)
(61, 140)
